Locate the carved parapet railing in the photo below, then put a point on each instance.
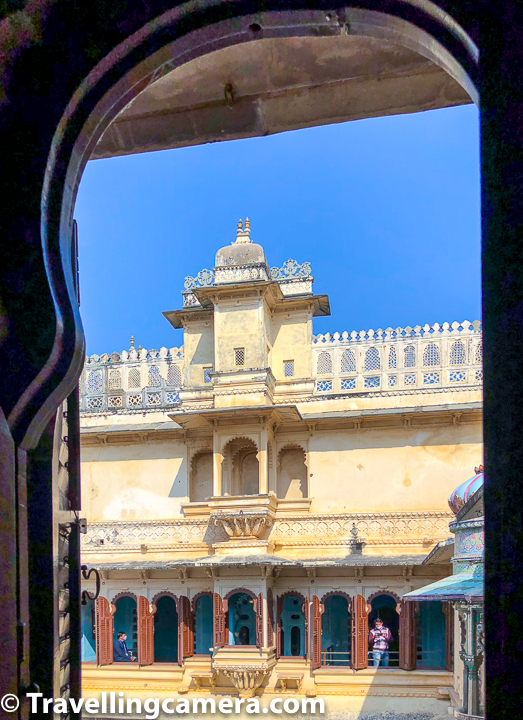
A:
(249, 524)
(422, 358)
(132, 380)
(372, 528)
(307, 530)
(294, 279)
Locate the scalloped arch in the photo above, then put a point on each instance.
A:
(339, 593)
(290, 593)
(203, 593)
(164, 593)
(292, 446)
(240, 437)
(384, 592)
(126, 593)
(239, 590)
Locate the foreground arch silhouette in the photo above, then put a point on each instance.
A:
(66, 71)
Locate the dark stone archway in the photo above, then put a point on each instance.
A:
(67, 69)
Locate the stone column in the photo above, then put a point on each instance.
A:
(217, 459)
(263, 463)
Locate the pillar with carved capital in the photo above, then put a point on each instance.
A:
(217, 460)
(263, 463)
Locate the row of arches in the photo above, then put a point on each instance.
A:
(372, 358)
(240, 471)
(331, 631)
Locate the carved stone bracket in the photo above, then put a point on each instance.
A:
(246, 680)
(248, 525)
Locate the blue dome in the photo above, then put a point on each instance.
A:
(466, 490)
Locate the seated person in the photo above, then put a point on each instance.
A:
(121, 653)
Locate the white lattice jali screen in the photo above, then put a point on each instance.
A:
(132, 380)
(445, 355)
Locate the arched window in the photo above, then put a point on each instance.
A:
(409, 356)
(166, 630)
(200, 479)
(431, 355)
(115, 380)
(479, 353)
(241, 473)
(324, 366)
(174, 375)
(133, 379)
(372, 359)
(94, 381)
(203, 625)
(458, 355)
(335, 631)
(292, 473)
(393, 360)
(384, 606)
(241, 624)
(126, 620)
(291, 626)
(155, 379)
(348, 362)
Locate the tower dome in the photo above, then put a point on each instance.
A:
(243, 260)
(466, 490)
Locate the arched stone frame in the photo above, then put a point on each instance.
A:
(229, 460)
(194, 454)
(48, 373)
(293, 445)
(288, 593)
(202, 593)
(305, 599)
(225, 604)
(384, 592)
(161, 594)
(124, 593)
(233, 592)
(332, 593)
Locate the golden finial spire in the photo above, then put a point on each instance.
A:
(247, 226)
(132, 341)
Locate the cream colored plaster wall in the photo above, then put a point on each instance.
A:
(391, 469)
(130, 482)
(291, 337)
(198, 341)
(240, 327)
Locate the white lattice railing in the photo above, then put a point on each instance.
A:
(374, 527)
(132, 380)
(431, 356)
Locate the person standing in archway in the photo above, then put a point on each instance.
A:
(379, 639)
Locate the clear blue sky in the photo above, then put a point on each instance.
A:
(386, 210)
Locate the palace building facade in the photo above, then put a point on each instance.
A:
(256, 498)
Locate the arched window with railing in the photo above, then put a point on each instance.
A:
(431, 355)
(393, 359)
(348, 361)
(372, 359)
(324, 366)
(155, 379)
(458, 354)
(409, 356)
